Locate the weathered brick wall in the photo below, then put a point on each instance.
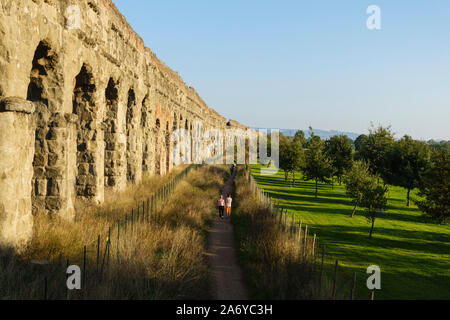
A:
(104, 107)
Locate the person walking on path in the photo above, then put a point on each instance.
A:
(228, 202)
(221, 205)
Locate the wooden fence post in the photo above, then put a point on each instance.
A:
(352, 292)
(305, 243)
(313, 250)
(109, 243)
(98, 251)
(118, 240)
(293, 224)
(333, 294)
(321, 268)
(84, 266)
(300, 231)
(285, 220)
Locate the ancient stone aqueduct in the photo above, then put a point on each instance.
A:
(81, 109)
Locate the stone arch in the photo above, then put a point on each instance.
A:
(167, 144)
(131, 135)
(87, 178)
(158, 146)
(175, 122)
(111, 135)
(145, 126)
(192, 142)
(47, 182)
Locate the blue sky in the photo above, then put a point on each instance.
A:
(292, 64)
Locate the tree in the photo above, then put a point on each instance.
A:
(355, 181)
(442, 145)
(291, 156)
(360, 143)
(339, 150)
(317, 165)
(375, 148)
(374, 199)
(300, 138)
(407, 161)
(435, 187)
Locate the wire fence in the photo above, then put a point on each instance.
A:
(309, 246)
(96, 257)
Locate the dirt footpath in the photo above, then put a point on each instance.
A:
(226, 274)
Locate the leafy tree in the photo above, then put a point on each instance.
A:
(440, 146)
(375, 148)
(435, 187)
(291, 156)
(374, 200)
(300, 138)
(360, 143)
(355, 181)
(407, 161)
(339, 150)
(317, 165)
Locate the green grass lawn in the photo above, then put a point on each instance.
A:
(412, 253)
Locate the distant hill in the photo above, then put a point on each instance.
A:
(324, 134)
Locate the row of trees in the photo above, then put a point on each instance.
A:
(369, 164)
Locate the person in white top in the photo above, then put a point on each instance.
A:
(221, 205)
(228, 204)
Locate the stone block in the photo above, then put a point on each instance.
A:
(38, 205)
(16, 104)
(53, 203)
(55, 159)
(40, 187)
(83, 168)
(55, 172)
(54, 146)
(39, 172)
(40, 160)
(82, 180)
(91, 191)
(54, 187)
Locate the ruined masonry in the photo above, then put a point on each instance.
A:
(84, 106)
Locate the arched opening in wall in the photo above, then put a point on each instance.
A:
(168, 153)
(145, 116)
(112, 152)
(157, 147)
(131, 136)
(175, 122)
(192, 144)
(84, 107)
(47, 174)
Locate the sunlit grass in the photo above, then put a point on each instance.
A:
(412, 252)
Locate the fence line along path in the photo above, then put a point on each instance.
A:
(226, 274)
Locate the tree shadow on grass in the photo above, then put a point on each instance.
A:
(424, 241)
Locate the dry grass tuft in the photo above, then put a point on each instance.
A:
(160, 258)
(272, 258)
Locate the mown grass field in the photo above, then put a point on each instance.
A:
(412, 253)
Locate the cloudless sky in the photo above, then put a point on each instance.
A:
(295, 64)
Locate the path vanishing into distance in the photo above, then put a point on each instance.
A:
(226, 274)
